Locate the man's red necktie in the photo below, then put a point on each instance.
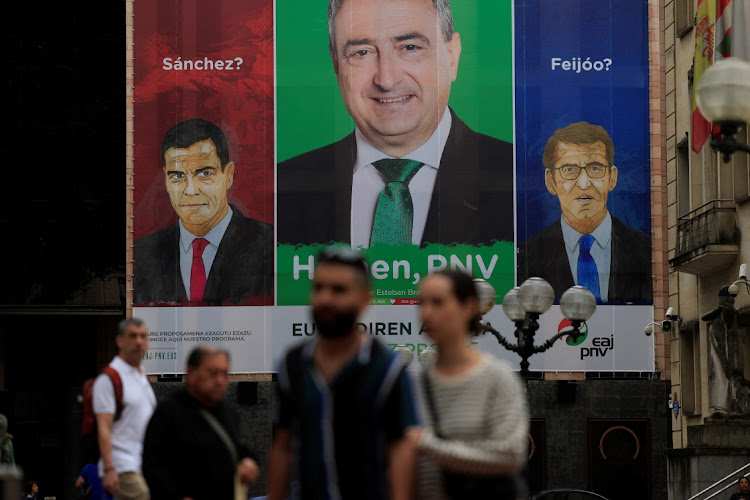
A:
(198, 272)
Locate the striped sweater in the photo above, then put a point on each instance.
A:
(485, 416)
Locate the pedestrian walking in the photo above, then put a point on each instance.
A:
(344, 400)
(198, 422)
(474, 442)
(30, 491)
(744, 493)
(121, 439)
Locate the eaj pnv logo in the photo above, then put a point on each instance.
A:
(566, 324)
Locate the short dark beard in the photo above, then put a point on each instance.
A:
(340, 325)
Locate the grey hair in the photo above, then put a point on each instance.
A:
(443, 8)
(124, 324)
(196, 356)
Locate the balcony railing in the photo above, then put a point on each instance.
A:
(706, 238)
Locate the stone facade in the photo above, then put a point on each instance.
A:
(695, 181)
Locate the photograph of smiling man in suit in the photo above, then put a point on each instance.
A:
(411, 172)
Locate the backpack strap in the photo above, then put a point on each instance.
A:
(117, 384)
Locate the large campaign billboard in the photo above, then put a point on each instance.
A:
(203, 212)
(506, 139)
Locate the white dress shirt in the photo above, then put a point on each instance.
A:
(214, 237)
(368, 183)
(129, 430)
(601, 251)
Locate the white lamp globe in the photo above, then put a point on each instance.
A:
(723, 91)
(486, 295)
(577, 303)
(536, 296)
(427, 356)
(511, 307)
(405, 352)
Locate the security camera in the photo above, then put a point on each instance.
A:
(733, 290)
(743, 271)
(670, 313)
(648, 330)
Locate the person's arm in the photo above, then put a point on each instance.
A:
(402, 435)
(105, 407)
(504, 450)
(248, 466)
(110, 481)
(402, 466)
(160, 448)
(284, 418)
(280, 464)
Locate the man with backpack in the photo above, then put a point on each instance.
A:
(121, 427)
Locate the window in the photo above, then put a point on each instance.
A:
(684, 17)
(683, 177)
(690, 370)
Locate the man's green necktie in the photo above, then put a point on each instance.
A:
(394, 213)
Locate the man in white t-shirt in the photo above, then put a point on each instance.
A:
(121, 439)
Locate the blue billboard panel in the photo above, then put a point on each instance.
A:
(582, 147)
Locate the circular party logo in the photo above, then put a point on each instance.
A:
(566, 324)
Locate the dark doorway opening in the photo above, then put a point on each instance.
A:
(619, 458)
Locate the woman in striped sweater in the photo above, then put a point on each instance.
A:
(479, 403)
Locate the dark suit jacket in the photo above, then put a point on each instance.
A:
(472, 201)
(544, 255)
(242, 271)
(178, 433)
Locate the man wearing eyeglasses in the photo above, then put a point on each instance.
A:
(587, 246)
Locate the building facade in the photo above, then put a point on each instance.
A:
(708, 220)
(71, 278)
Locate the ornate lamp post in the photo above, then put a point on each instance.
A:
(523, 305)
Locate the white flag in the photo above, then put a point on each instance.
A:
(740, 25)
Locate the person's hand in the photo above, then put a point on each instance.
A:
(79, 482)
(110, 482)
(249, 471)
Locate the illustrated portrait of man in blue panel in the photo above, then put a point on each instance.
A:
(587, 245)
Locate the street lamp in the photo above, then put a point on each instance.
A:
(523, 305)
(723, 97)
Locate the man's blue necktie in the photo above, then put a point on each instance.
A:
(588, 276)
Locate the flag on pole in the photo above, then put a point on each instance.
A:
(723, 30)
(740, 33)
(723, 44)
(705, 20)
